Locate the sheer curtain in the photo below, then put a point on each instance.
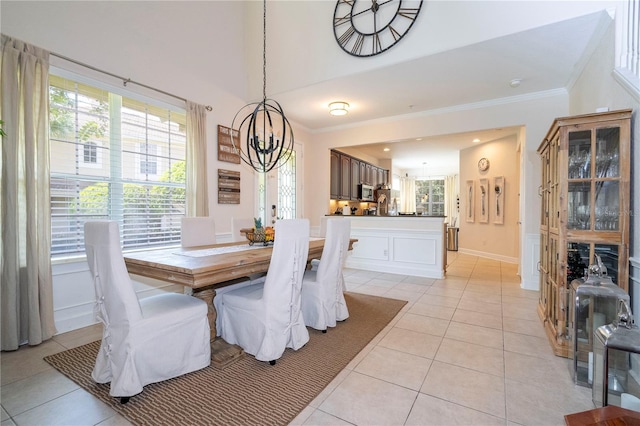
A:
(25, 225)
(452, 191)
(197, 188)
(407, 195)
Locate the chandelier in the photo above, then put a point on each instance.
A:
(265, 138)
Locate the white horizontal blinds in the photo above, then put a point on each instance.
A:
(117, 158)
(153, 154)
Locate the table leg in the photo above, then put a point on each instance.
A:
(222, 353)
(207, 296)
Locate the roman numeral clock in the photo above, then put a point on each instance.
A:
(369, 27)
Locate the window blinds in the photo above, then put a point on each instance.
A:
(114, 157)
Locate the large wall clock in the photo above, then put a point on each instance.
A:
(369, 27)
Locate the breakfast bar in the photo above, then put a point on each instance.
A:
(409, 245)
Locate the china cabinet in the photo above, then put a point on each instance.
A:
(585, 210)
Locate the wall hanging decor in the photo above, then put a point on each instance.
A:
(228, 187)
(469, 208)
(484, 201)
(226, 151)
(498, 204)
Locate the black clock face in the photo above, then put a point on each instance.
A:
(369, 27)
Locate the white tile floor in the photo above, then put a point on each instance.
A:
(466, 350)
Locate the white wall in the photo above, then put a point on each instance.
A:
(496, 241)
(440, 26)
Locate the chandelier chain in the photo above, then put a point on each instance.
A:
(266, 131)
(264, 51)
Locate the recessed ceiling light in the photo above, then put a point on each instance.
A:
(386, 149)
(418, 139)
(515, 82)
(476, 140)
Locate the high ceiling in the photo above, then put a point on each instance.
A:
(547, 58)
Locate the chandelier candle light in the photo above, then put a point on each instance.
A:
(267, 132)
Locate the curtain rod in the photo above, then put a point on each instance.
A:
(125, 81)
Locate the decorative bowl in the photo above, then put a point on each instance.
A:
(260, 235)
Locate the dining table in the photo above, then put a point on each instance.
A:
(203, 269)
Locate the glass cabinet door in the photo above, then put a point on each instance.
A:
(580, 256)
(544, 188)
(608, 152)
(579, 155)
(554, 184)
(593, 172)
(579, 205)
(607, 214)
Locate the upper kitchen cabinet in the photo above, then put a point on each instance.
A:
(382, 176)
(370, 176)
(363, 173)
(345, 177)
(335, 176)
(355, 178)
(585, 210)
(347, 172)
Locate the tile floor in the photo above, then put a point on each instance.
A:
(466, 350)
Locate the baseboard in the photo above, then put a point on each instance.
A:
(493, 256)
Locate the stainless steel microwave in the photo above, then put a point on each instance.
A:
(365, 192)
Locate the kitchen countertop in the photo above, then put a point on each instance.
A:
(389, 216)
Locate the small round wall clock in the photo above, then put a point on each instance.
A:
(483, 164)
(369, 27)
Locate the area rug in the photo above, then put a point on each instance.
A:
(247, 392)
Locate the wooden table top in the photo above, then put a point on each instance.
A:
(199, 267)
(610, 415)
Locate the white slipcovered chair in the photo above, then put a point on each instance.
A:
(146, 341)
(323, 227)
(197, 231)
(323, 301)
(265, 319)
(240, 223)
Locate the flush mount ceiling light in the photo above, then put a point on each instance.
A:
(515, 82)
(263, 126)
(338, 108)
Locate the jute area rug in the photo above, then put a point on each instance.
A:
(247, 392)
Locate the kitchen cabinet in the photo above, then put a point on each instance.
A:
(585, 210)
(347, 172)
(355, 178)
(335, 176)
(345, 177)
(369, 175)
(382, 176)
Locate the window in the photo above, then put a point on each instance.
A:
(116, 157)
(430, 197)
(287, 188)
(280, 186)
(148, 159)
(90, 153)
